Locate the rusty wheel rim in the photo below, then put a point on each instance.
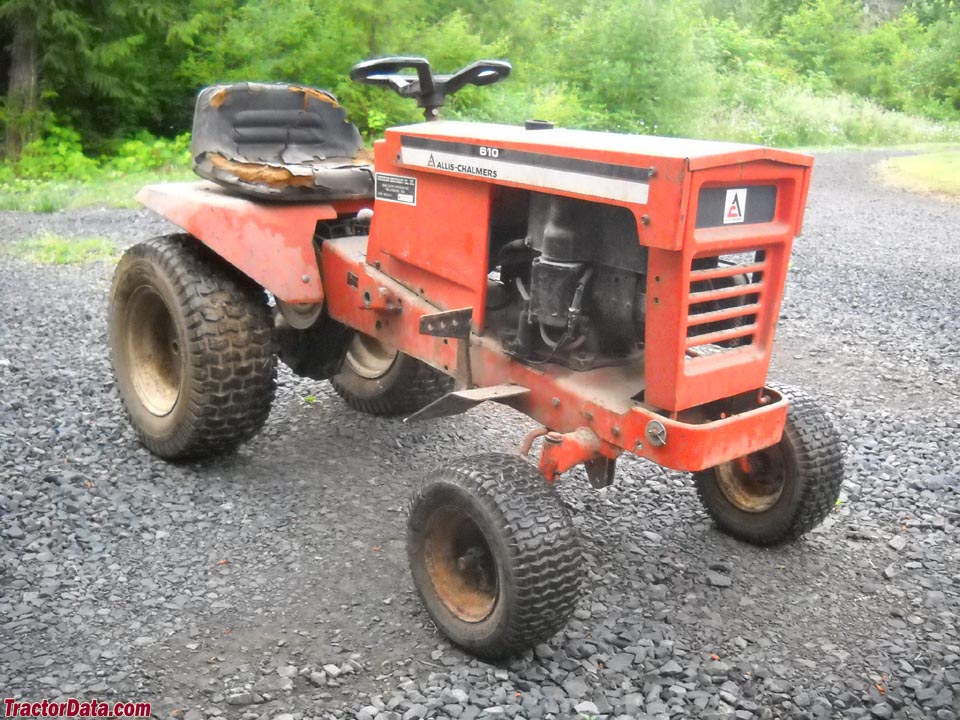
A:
(753, 483)
(154, 352)
(370, 358)
(460, 564)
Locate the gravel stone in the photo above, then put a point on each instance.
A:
(317, 679)
(897, 542)
(245, 698)
(671, 667)
(717, 580)
(416, 711)
(620, 662)
(576, 687)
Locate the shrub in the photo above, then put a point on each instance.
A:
(936, 72)
(796, 116)
(884, 56)
(146, 152)
(646, 75)
(820, 37)
(58, 155)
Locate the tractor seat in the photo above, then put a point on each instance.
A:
(281, 142)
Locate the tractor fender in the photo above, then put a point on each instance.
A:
(270, 243)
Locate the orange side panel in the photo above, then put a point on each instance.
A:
(439, 247)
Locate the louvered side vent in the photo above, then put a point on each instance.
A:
(726, 293)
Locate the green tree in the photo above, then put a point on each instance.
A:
(883, 57)
(318, 41)
(929, 12)
(769, 14)
(646, 74)
(103, 66)
(935, 74)
(22, 108)
(819, 38)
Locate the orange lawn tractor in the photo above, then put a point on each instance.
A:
(623, 291)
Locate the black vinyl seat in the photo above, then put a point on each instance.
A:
(282, 142)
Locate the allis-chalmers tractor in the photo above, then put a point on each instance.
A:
(623, 291)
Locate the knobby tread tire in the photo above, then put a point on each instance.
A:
(536, 546)
(816, 447)
(229, 381)
(408, 386)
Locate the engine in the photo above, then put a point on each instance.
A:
(574, 285)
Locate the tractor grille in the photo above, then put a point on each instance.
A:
(724, 302)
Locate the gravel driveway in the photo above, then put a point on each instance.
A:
(273, 584)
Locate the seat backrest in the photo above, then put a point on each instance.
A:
(286, 143)
(274, 124)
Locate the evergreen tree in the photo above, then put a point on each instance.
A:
(99, 65)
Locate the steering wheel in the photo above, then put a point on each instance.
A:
(429, 90)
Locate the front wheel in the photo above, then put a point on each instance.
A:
(378, 379)
(493, 554)
(778, 494)
(192, 348)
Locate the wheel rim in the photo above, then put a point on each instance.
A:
(755, 482)
(370, 358)
(460, 565)
(299, 316)
(154, 352)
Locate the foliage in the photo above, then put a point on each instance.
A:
(929, 12)
(54, 173)
(819, 38)
(51, 249)
(936, 71)
(104, 66)
(319, 40)
(791, 115)
(59, 154)
(884, 56)
(145, 152)
(115, 74)
(623, 79)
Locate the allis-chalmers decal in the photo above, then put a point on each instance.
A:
(585, 177)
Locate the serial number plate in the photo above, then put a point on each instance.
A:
(397, 188)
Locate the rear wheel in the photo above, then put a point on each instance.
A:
(191, 345)
(376, 378)
(779, 493)
(493, 554)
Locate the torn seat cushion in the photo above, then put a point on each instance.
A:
(283, 142)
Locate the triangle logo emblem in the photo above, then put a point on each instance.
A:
(735, 206)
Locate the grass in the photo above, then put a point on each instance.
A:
(49, 249)
(925, 147)
(789, 116)
(937, 173)
(106, 191)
